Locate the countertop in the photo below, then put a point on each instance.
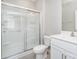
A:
(65, 36)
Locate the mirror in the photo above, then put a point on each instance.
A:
(69, 11)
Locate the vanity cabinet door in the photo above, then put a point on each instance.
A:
(69, 57)
(56, 54)
(62, 50)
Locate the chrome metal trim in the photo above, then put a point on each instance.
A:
(21, 7)
(39, 31)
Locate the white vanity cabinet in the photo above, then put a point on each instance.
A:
(63, 49)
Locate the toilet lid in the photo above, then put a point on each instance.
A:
(40, 48)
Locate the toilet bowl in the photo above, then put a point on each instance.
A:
(40, 51)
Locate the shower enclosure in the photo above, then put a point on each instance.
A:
(20, 29)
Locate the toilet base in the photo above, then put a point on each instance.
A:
(42, 56)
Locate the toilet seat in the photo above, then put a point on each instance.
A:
(40, 48)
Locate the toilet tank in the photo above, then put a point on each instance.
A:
(47, 40)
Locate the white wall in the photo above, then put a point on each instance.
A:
(51, 16)
(40, 5)
(24, 3)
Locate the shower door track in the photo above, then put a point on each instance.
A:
(17, 54)
(21, 7)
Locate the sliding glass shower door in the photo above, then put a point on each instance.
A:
(32, 30)
(20, 30)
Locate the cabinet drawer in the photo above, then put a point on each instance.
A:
(65, 45)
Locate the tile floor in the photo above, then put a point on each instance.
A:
(32, 56)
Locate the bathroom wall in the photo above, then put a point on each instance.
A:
(24, 3)
(40, 5)
(51, 16)
(68, 15)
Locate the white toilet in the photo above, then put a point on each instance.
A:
(41, 50)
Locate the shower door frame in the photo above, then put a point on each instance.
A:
(28, 9)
